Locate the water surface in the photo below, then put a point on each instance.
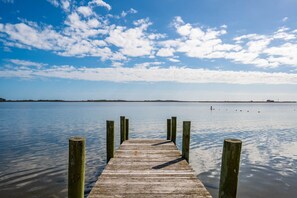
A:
(34, 143)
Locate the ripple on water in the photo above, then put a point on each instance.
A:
(34, 143)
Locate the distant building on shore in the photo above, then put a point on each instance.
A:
(269, 100)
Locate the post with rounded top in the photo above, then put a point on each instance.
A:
(230, 168)
(123, 128)
(168, 129)
(186, 140)
(127, 129)
(173, 129)
(109, 140)
(76, 167)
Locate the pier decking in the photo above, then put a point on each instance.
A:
(148, 168)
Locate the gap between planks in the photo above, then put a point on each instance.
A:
(148, 168)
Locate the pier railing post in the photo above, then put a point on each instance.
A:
(230, 168)
(168, 129)
(173, 129)
(186, 140)
(127, 129)
(109, 140)
(123, 128)
(76, 167)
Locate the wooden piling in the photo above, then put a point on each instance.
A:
(168, 129)
(109, 140)
(127, 129)
(230, 168)
(76, 167)
(186, 140)
(123, 128)
(173, 129)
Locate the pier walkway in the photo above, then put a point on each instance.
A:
(148, 168)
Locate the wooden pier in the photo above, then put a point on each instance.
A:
(148, 168)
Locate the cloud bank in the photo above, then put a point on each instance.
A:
(152, 74)
(85, 32)
(137, 52)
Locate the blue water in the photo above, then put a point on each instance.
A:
(34, 143)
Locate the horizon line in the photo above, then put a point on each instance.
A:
(156, 100)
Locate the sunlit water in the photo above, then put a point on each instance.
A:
(34, 143)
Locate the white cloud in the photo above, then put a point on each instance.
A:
(117, 64)
(174, 60)
(93, 23)
(86, 33)
(54, 2)
(101, 3)
(26, 63)
(65, 4)
(132, 42)
(156, 36)
(224, 26)
(85, 11)
(143, 23)
(285, 19)
(74, 41)
(250, 49)
(257, 46)
(185, 30)
(165, 52)
(154, 74)
(131, 11)
(283, 34)
(31, 36)
(147, 65)
(117, 56)
(196, 42)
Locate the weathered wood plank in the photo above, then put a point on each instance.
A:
(143, 195)
(148, 168)
(147, 147)
(147, 141)
(134, 188)
(139, 159)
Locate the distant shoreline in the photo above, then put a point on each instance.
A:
(180, 101)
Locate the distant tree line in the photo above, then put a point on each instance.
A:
(2, 100)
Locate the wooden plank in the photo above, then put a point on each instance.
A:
(153, 142)
(147, 147)
(148, 168)
(143, 195)
(136, 188)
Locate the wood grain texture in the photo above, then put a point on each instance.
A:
(123, 128)
(146, 169)
(109, 140)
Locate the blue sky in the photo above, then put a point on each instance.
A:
(128, 49)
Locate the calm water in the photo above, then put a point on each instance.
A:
(34, 143)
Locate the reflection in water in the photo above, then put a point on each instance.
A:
(267, 170)
(34, 143)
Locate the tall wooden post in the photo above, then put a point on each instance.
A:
(168, 129)
(109, 140)
(127, 129)
(230, 168)
(173, 129)
(186, 140)
(123, 129)
(76, 167)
